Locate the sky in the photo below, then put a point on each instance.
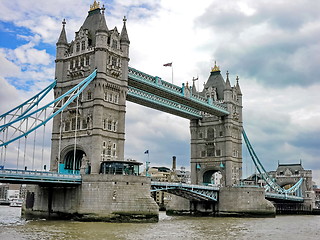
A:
(274, 48)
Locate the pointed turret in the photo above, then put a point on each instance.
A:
(238, 87)
(194, 89)
(124, 38)
(63, 36)
(228, 90)
(215, 81)
(62, 44)
(103, 24)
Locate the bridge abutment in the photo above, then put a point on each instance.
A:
(232, 202)
(100, 197)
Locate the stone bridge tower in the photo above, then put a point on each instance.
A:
(216, 145)
(93, 126)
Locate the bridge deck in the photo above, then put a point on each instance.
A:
(37, 177)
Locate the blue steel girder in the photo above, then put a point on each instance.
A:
(37, 177)
(157, 86)
(188, 191)
(283, 197)
(153, 101)
(39, 117)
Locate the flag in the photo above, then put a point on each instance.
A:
(168, 65)
(146, 152)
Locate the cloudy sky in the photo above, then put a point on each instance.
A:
(274, 48)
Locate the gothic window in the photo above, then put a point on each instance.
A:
(203, 153)
(116, 98)
(109, 125)
(67, 126)
(210, 150)
(87, 60)
(83, 45)
(109, 150)
(210, 134)
(114, 126)
(114, 61)
(114, 44)
(114, 148)
(84, 124)
(218, 152)
(78, 47)
(89, 95)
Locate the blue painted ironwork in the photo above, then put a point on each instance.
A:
(189, 191)
(39, 117)
(37, 177)
(25, 107)
(146, 98)
(157, 86)
(285, 197)
(272, 185)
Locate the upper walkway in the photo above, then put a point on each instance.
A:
(37, 177)
(156, 93)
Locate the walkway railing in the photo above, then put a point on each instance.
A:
(24, 176)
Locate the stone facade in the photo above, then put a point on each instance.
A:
(97, 118)
(102, 197)
(216, 143)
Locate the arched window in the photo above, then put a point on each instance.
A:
(210, 134)
(78, 47)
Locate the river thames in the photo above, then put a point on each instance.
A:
(13, 227)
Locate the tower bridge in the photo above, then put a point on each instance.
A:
(93, 83)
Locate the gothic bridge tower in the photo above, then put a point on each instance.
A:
(216, 141)
(93, 126)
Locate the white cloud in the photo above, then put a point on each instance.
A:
(273, 46)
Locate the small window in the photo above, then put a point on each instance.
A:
(71, 64)
(116, 97)
(218, 152)
(114, 44)
(78, 47)
(221, 134)
(84, 124)
(114, 126)
(110, 97)
(87, 60)
(89, 95)
(77, 63)
(82, 62)
(83, 45)
(109, 125)
(67, 126)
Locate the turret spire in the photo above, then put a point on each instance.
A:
(124, 35)
(238, 86)
(228, 85)
(63, 36)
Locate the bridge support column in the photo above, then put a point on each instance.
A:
(100, 197)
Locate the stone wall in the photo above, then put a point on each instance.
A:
(244, 201)
(99, 198)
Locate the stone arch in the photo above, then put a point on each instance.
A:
(212, 176)
(68, 160)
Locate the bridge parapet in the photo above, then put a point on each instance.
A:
(22, 176)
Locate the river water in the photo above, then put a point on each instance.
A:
(302, 227)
